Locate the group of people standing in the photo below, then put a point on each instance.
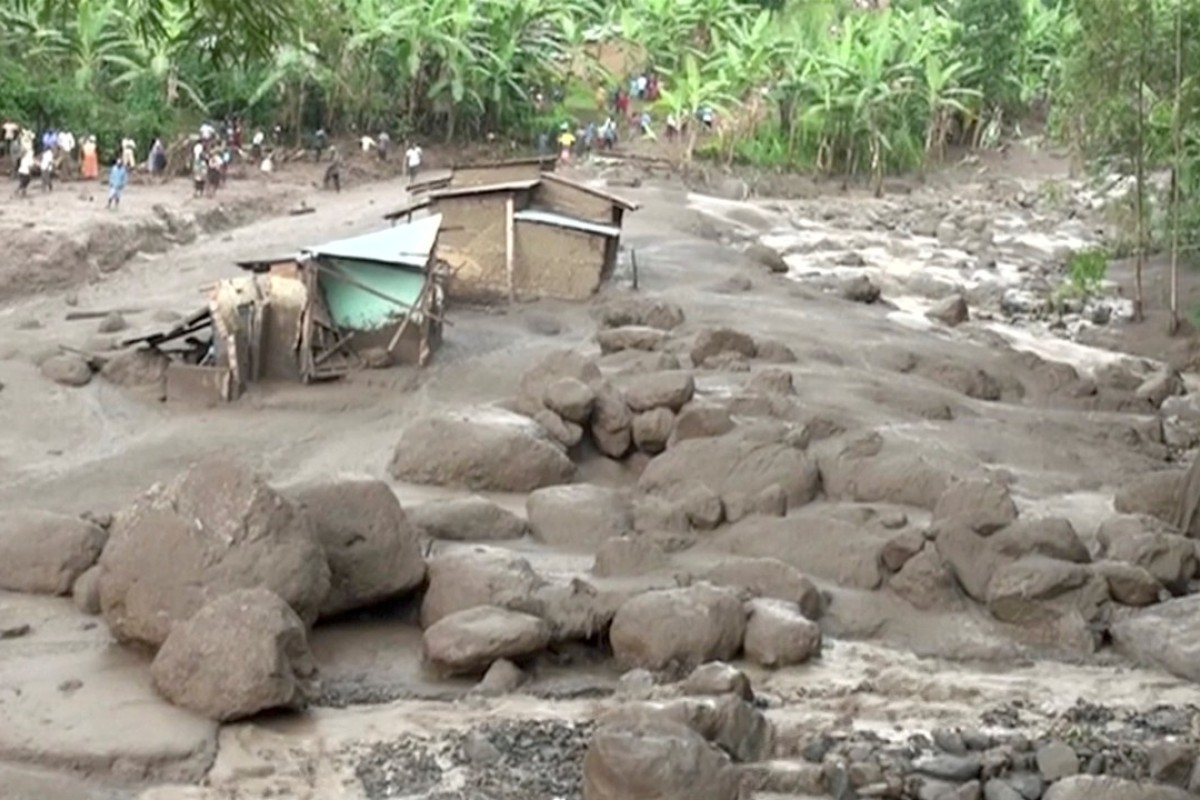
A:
(60, 153)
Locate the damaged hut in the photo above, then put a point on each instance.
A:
(524, 238)
(335, 307)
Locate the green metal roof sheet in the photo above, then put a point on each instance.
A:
(408, 245)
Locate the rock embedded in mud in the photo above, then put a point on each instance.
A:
(997, 789)
(1166, 636)
(951, 311)
(554, 366)
(466, 519)
(732, 465)
(134, 368)
(1053, 537)
(774, 352)
(67, 369)
(578, 516)
(1129, 584)
(656, 761)
(900, 548)
(485, 449)
(702, 507)
(727, 721)
(769, 578)
(715, 341)
(1019, 593)
(969, 556)
(373, 551)
(215, 528)
(768, 257)
(86, 591)
(1057, 760)
(860, 289)
(1156, 494)
(1171, 762)
(113, 323)
(652, 429)
(1105, 787)
(570, 398)
(1144, 542)
(567, 434)
(717, 678)
(671, 390)
(949, 767)
(477, 576)
(1157, 388)
(637, 362)
(687, 626)
(44, 553)
(647, 312)
(468, 641)
(243, 653)
(623, 556)
(698, 420)
(632, 337)
(778, 635)
(502, 677)
(774, 380)
(927, 583)
(985, 506)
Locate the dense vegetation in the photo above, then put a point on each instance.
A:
(806, 84)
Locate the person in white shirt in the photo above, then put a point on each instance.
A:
(48, 170)
(66, 143)
(207, 132)
(412, 157)
(367, 143)
(24, 171)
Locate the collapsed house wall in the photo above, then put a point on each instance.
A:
(557, 262)
(281, 319)
(486, 174)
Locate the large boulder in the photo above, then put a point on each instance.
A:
(728, 721)
(952, 310)
(477, 576)
(778, 635)
(1020, 592)
(215, 528)
(1156, 494)
(969, 557)
(670, 390)
(554, 366)
(1053, 537)
(631, 337)
(44, 552)
(734, 467)
(1147, 543)
(868, 470)
(643, 311)
(469, 641)
(570, 398)
(628, 555)
(374, 552)
(68, 369)
(982, 505)
(769, 578)
(1106, 787)
(701, 421)
(611, 422)
(652, 429)
(481, 449)
(659, 760)
(579, 516)
(466, 519)
(687, 626)
(243, 653)
(1129, 584)
(715, 341)
(1166, 636)
(925, 581)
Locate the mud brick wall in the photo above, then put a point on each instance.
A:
(474, 240)
(555, 262)
(563, 199)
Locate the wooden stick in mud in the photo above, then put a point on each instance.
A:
(75, 316)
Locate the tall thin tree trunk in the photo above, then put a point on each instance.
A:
(1177, 146)
(1140, 167)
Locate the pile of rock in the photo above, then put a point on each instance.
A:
(220, 574)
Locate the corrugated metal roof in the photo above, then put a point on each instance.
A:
(487, 188)
(562, 221)
(628, 205)
(408, 245)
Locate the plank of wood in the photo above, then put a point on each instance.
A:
(75, 316)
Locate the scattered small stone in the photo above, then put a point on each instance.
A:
(15, 631)
(1057, 760)
(70, 686)
(67, 369)
(29, 324)
(112, 323)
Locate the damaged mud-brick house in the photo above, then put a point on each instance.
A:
(523, 238)
(364, 301)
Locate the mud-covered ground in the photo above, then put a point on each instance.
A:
(79, 719)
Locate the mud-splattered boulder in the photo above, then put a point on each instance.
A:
(778, 635)
(1156, 494)
(1166, 636)
(658, 760)
(67, 369)
(686, 626)
(482, 449)
(215, 528)
(951, 311)
(1158, 387)
(135, 368)
(468, 641)
(1147, 543)
(774, 380)
(970, 558)
(1106, 787)
(717, 678)
(775, 352)
(555, 366)
(651, 430)
(1053, 537)
(982, 505)
(86, 591)
(570, 398)
(1020, 592)
(670, 390)
(44, 553)
(733, 465)
(579, 516)
(927, 583)
(632, 337)
(769, 578)
(636, 362)
(727, 721)
(374, 552)
(860, 289)
(700, 421)
(628, 555)
(243, 653)
(477, 576)
(466, 519)
(568, 434)
(870, 470)
(1129, 584)
(768, 257)
(715, 341)
(611, 422)
(642, 311)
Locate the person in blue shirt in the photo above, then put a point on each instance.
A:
(118, 176)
